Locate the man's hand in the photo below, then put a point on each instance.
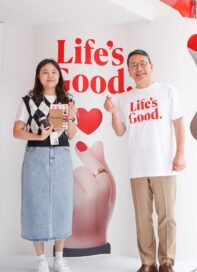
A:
(109, 105)
(178, 163)
(117, 124)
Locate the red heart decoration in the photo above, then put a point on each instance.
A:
(192, 47)
(89, 121)
(192, 42)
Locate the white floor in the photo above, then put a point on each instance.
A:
(99, 263)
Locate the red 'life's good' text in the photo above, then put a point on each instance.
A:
(144, 105)
(86, 53)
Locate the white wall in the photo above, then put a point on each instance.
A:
(1, 48)
(144, 8)
(17, 71)
(1, 116)
(166, 41)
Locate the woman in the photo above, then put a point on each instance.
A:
(47, 183)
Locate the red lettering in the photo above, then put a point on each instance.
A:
(102, 84)
(117, 56)
(85, 53)
(147, 116)
(155, 114)
(142, 106)
(138, 105)
(154, 102)
(78, 51)
(147, 105)
(61, 56)
(119, 83)
(140, 118)
(133, 117)
(100, 52)
(66, 82)
(132, 107)
(80, 88)
(88, 49)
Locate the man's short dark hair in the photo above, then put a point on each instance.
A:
(138, 52)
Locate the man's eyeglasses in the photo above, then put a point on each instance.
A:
(134, 66)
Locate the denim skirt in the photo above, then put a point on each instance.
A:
(47, 193)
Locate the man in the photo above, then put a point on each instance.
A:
(149, 113)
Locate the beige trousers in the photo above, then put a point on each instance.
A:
(163, 191)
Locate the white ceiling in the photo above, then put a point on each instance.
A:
(32, 12)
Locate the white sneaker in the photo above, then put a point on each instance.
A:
(60, 265)
(42, 267)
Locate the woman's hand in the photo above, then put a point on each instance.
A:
(45, 132)
(72, 110)
(20, 132)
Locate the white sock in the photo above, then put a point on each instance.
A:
(58, 254)
(41, 258)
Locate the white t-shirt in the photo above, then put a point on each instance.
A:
(22, 112)
(147, 114)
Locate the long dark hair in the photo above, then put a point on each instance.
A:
(37, 92)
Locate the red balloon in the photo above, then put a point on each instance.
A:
(185, 7)
(192, 42)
